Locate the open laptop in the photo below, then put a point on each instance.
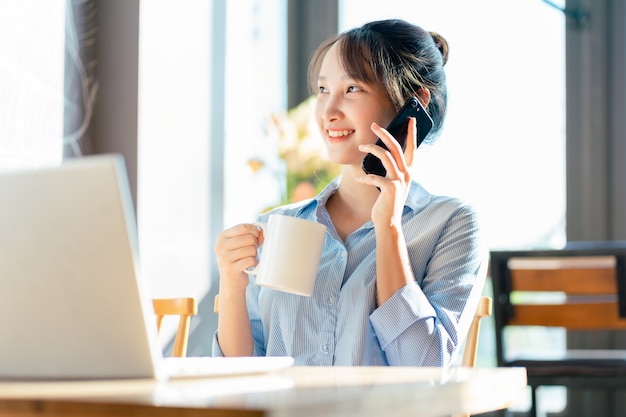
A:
(73, 304)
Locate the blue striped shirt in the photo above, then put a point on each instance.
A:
(423, 324)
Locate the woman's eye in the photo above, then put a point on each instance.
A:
(322, 89)
(353, 88)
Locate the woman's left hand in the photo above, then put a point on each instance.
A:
(394, 187)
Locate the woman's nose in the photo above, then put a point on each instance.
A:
(332, 110)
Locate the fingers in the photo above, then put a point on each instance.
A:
(244, 230)
(395, 161)
(236, 248)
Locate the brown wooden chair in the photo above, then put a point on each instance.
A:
(216, 304)
(471, 343)
(470, 351)
(182, 307)
(576, 290)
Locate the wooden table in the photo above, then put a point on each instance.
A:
(297, 391)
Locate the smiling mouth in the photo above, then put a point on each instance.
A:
(339, 133)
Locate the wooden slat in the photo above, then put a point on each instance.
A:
(185, 305)
(184, 308)
(485, 305)
(597, 316)
(569, 281)
(571, 275)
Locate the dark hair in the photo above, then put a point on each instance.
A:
(398, 56)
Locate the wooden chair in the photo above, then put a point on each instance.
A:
(183, 307)
(471, 343)
(586, 290)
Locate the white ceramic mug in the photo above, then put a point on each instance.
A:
(291, 253)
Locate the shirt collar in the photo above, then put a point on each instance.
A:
(417, 199)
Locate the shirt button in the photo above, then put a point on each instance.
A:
(324, 349)
(331, 300)
(343, 254)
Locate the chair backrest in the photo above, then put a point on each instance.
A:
(471, 343)
(216, 304)
(584, 292)
(568, 289)
(182, 307)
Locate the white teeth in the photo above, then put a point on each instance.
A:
(338, 133)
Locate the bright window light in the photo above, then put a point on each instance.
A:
(31, 82)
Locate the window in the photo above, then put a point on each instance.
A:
(31, 83)
(173, 148)
(207, 86)
(255, 88)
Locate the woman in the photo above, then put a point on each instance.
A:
(401, 269)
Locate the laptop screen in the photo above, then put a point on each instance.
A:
(72, 304)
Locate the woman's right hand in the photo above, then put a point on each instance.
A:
(236, 250)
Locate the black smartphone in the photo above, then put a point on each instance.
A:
(398, 129)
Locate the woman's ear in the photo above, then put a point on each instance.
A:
(423, 94)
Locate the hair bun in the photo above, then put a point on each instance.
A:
(441, 44)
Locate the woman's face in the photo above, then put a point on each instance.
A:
(345, 109)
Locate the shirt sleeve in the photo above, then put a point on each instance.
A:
(216, 351)
(256, 324)
(424, 323)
